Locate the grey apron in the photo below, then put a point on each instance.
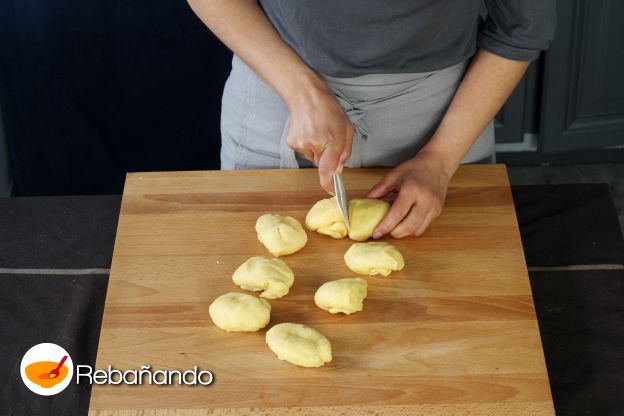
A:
(394, 115)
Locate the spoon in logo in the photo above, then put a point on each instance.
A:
(54, 373)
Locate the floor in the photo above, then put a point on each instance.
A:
(613, 174)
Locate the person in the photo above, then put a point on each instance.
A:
(411, 84)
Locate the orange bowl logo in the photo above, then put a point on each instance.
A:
(46, 369)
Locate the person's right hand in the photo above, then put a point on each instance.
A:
(320, 129)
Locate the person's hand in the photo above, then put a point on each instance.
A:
(320, 129)
(421, 184)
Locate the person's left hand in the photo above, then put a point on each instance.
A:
(421, 184)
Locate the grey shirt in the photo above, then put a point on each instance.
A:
(346, 38)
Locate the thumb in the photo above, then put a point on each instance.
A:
(328, 163)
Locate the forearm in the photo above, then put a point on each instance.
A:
(318, 127)
(488, 83)
(244, 28)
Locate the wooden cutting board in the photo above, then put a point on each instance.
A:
(454, 333)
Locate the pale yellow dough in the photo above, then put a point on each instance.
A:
(273, 276)
(364, 215)
(236, 311)
(280, 235)
(374, 258)
(344, 295)
(299, 344)
(324, 218)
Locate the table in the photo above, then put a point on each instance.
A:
(455, 331)
(579, 311)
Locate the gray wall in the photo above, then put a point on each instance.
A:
(5, 177)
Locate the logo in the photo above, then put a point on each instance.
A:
(47, 369)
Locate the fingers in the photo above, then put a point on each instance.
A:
(328, 162)
(348, 147)
(312, 154)
(316, 157)
(318, 152)
(399, 209)
(410, 214)
(324, 136)
(411, 222)
(308, 154)
(431, 215)
(419, 218)
(385, 185)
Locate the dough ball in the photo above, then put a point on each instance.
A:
(364, 215)
(374, 258)
(344, 295)
(280, 235)
(236, 311)
(324, 218)
(299, 344)
(273, 276)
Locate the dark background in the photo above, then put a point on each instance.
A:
(90, 90)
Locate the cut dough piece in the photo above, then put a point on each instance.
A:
(236, 311)
(299, 344)
(344, 295)
(364, 215)
(280, 235)
(273, 276)
(374, 258)
(324, 218)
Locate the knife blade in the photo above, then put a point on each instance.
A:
(341, 197)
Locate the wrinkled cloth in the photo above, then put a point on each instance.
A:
(394, 116)
(347, 38)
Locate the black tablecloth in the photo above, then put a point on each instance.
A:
(571, 239)
(575, 254)
(50, 235)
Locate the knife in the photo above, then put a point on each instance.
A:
(341, 196)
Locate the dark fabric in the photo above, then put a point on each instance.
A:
(65, 310)
(53, 232)
(581, 322)
(91, 90)
(347, 38)
(568, 224)
(57, 232)
(580, 314)
(518, 29)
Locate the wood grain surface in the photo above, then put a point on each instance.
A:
(454, 333)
